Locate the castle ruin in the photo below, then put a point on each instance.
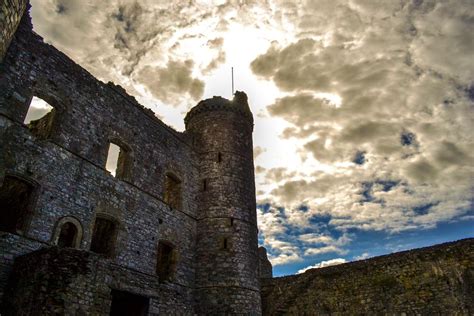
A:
(174, 230)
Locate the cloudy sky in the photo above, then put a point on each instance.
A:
(364, 109)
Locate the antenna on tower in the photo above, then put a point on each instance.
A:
(232, 74)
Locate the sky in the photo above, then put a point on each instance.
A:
(364, 109)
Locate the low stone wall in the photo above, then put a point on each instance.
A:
(437, 280)
(66, 281)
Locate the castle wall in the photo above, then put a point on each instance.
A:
(74, 282)
(66, 165)
(11, 12)
(438, 280)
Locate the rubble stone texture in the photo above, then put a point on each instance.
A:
(174, 231)
(437, 280)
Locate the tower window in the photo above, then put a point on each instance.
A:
(119, 161)
(219, 157)
(103, 236)
(204, 184)
(225, 243)
(15, 197)
(166, 261)
(172, 192)
(39, 117)
(231, 222)
(67, 235)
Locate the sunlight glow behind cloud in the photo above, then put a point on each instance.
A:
(363, 109)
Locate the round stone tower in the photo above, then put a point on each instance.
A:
(227, 242)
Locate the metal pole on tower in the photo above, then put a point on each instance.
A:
(232, 74)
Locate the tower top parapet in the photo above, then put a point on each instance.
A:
(239, 104)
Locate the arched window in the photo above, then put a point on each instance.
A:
(15, 200)
(40, 117)
(104, 236)
(119, 160)
(166, 261)
(172, 191)
(68, 233)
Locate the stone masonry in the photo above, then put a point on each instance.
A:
(437, 280)
(174, 230)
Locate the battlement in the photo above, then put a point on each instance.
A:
(238, 105)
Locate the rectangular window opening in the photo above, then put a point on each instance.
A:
(112, 159)
(119, 162)
(172, 191)
(15, 198)
(103, 237)
(166, 261)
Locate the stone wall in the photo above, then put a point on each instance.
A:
(11, 12)
(66, 165)
(264, 265)
(437, 280)
(75, 282)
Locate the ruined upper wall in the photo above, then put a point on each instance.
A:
(66, 166)
(437, 280)
(90, 114)
(11, 12)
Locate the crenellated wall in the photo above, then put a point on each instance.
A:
(437, 280)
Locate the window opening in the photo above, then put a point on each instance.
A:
(118, 161)
(204, 184)
(67, 235)
(172, 192)
(39, 117)
(231, 221)
(103, 236)
(166, 261)
(219, 157)
(15, 197)
(225, 244)
(128, 304)
(38, 109)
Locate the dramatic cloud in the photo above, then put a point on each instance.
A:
(363, 109)
(171, 83)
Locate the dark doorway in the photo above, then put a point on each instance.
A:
(128, 304)
(103, 237)
(15, 195)
(67, 236)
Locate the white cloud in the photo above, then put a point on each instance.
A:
(323, 264)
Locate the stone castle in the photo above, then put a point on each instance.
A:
(174, 230)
